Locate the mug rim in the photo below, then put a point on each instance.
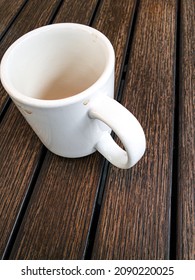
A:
(17, 96)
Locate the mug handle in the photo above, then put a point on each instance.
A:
(126, 127)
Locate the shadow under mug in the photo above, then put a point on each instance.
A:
(61, 78)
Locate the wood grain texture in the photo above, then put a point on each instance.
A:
(35, 14)
(76, 11)
(135, 214)
(115, 21)
(57, 223)
(8, 11)
(186, 149)
(134, 221)
(19, 153)
(19, 147)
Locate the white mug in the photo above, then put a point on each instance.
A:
(61, 78)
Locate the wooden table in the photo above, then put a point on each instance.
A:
(59, 208)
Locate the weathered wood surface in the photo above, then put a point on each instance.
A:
(58, 208)
(8, 13)
(186, 145)
(19, 156)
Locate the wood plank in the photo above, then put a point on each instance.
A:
(67, 188)
(186, 152)
(35, 14)
(8, 11)
(135, 214)
(20, 148)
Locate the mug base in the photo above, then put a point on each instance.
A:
(78, 155)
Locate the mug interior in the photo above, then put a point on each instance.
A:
(57, 62)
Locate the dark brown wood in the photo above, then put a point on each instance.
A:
(20, 151)
(115, 21)
(76, 11)
(20, 148)
(8, 10)
(56, 224)
(186, 149)
(62, 232)
(135, 215)
(49, 205)
(35, 14)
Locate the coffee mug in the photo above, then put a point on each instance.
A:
(61, 78)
